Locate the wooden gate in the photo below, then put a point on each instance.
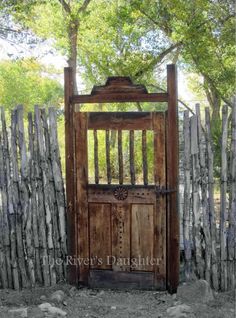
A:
(123, 234)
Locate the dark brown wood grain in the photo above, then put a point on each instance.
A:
(81, 193)
(96, 167)
(120, 157)
(131, 157)
(172, 181)
(120, 98)
(160, 181)
(144, 157)
(119, 120)
(108, 161)
(70, 180)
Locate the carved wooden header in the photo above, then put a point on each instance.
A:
(119, 89)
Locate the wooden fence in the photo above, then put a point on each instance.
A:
(32, 206)
(209, 232)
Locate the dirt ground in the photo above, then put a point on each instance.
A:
(111, 304)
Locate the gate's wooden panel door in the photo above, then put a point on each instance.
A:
(121, 227)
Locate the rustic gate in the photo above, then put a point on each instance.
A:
(123, 234)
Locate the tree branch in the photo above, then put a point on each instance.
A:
(84, 6)
(65, 5)
(157, 59)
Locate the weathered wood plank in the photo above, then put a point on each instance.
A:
(232, 204)
(81, 194)
(108, 160)
(120, 157)
(70, 172)
(144, 157)
(96, 168)
(204, 194)
(172, 180)
(119, 98)
(100, 239)
(211, 206)
(160, 205)
(196, 196)
(131, 157)
(223, 200)
(187, 195)
(142, 236)
(119, 120)
(24, 196)
(120, 237)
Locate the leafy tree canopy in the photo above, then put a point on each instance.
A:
(27, 82)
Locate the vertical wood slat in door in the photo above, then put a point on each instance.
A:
(120, 157)
(121, 234)
(100, 234)
(142, 232)
(81, 154)
(160, 180)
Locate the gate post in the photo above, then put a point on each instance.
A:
(70, 175)
(172, 181)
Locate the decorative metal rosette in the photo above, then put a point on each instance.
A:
(120, 193)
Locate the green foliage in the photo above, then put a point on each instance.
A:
(26, 82)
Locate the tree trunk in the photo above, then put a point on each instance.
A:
(72, 58)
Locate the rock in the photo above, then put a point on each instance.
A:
(58, 296)
(35, 313)
(43, 298)
(180, 311)
(113, 307)
(195, 292)
(72, 291)
(19, 312)
(52, 311)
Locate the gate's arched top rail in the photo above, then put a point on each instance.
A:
(121, 89)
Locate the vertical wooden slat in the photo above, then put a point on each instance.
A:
(172, 180)
(232, 204)
(70, 172)
(131, 155)
(81, 193)
(24, 193)
(204, 195)
(159, 143)
(16, 201)
(194, 150)
(120, 157)
(108, 160)
(223, 202)
(96, 168)
(10, 278)
(186, 212)
(34, 206)
(58, 183)
(211, 206)
(144, 157)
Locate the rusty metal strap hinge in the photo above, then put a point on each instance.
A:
(163, 191)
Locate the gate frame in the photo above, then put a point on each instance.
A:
(172, 228)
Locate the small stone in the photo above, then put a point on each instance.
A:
(72, 291)
(19, 312)
(64, 303)
(180, 311)
(43, 298)
(113, 307)
(58, 296)
(51, 310)
(174, 296)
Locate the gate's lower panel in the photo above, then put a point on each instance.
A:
(124, 280)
